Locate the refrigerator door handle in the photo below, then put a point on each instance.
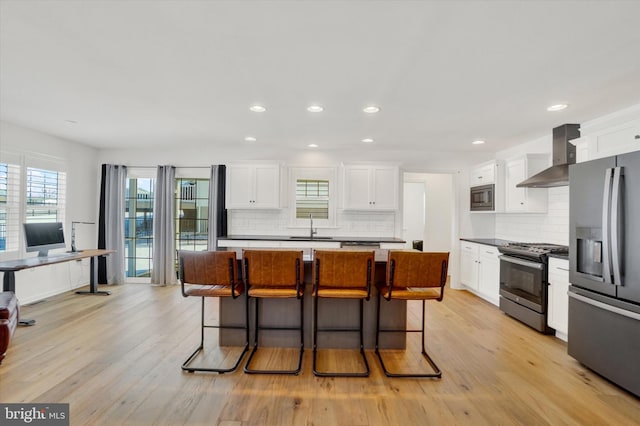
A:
(606, 242)
(616, 236)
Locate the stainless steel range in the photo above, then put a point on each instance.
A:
(523, 282)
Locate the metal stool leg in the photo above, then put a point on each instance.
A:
(436, 374)
(187, 364)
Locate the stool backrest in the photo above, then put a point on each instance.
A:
(273, 268)
(343, 268)
(417, 269)
(208, 267)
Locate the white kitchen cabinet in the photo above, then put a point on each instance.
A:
(480, 270)
(483, 174)
(489, 274)
(558, 298)
(525, 200)
(469, 264)
(582, 149)
(251, 186)
(614, 140)
(370, 187)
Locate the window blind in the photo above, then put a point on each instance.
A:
(312, 199)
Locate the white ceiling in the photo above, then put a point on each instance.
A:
(160, 73)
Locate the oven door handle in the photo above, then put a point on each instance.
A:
(522, 262)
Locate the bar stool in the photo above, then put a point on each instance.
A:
(341, 275)
(412, 276)
(211, 274)
(273, 274)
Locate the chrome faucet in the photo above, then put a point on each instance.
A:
(311, 231)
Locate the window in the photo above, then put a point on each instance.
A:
(138, 227)
(312, 194)
(35, 193)
(312, 199)
(192, 213)
(9, 207)
(45, 195)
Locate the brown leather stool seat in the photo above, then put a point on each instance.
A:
(412, 275)
(211, 274)
(9, 312)
(340, 274)
(274, 274)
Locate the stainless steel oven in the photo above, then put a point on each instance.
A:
(523, 282)
(482, 198)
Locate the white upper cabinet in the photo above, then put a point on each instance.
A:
(615, 140)
(251, 186)
(525, 200)
(483, 174)
(370, 187)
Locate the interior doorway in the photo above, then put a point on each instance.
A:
(428, 210)
(414, 212)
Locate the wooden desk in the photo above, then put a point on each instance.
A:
(10, 267)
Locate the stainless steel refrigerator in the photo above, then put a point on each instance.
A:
(604, 261)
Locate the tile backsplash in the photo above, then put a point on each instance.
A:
(276, 222)
(551, 227)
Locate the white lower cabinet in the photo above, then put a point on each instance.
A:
(489, 274)
(558, 299)
(469, 265)
(480, 270)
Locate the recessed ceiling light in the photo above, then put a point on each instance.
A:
(312, 145)
(367, 140)
(315, 108)
(257, 108)
(250, 139)
(478, 142)
(557, 107)
(371, 109)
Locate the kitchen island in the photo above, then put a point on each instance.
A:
(334, 313)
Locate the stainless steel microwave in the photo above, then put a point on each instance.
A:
(483, 198)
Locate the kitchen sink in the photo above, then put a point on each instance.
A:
(310, 239)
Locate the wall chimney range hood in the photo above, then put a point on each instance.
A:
(564, 153)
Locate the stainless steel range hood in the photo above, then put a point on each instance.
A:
(564, 153)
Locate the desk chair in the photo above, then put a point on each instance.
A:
(341, 275)
(270, 274)
(211, 274)
(412, 276)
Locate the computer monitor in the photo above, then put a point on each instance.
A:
(42, 237)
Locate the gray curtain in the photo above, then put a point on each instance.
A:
(114, 181)
(212, 235)
(163, 269)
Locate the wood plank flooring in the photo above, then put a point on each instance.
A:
(116, 360)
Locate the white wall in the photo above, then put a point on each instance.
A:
(82, 205)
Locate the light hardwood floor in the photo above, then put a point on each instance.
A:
(116, 360)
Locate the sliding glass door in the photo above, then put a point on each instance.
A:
(138, 227)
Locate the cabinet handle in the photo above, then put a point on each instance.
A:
(562, 269)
